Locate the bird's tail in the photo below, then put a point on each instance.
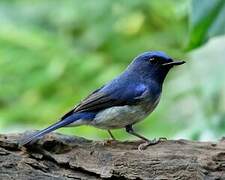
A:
(47, 130)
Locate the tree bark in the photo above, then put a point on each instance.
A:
(57, 156)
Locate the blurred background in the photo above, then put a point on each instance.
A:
(53, 53)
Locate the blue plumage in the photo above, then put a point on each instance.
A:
(63, 123)
(122, 102)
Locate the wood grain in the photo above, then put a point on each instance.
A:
(57, 156)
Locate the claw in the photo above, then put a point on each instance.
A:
(110, 142)
(144, 146)
(105, 142)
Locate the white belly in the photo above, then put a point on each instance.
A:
(119, 117)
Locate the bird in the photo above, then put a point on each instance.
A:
(121, 103)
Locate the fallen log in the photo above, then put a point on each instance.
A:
(58, 156)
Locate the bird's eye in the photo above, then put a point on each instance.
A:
(152, 60)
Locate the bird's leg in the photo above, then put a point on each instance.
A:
(111, 135)
(110, 141)
(129, 129)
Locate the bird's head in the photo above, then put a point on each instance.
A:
(154, 65)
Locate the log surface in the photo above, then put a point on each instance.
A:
(60, 157)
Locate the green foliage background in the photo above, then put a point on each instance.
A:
(53, 53)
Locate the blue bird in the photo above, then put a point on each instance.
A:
(122, 102)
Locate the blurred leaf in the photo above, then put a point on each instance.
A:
(53, 53)
(206, 20)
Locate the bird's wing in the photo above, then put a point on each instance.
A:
(96, 101)
(99, 100)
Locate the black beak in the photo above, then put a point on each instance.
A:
(174, 63)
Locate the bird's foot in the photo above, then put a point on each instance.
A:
(110, 141)
(144, 146)
(105, 142)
